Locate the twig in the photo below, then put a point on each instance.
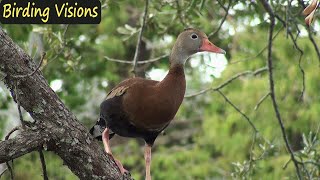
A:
(63, 45)
(237, 109)
(304, 168)
(3, 171)
(10, 170)
(7, 163)
(236, 76)
(5, 40)
(18, 104)
(34, 71)
(310, 162)
(43, 165)
(294, 40)
(317, 131)
(226, 9)
(153, 59)
(260, 52)
(261, 101)
(139, 62)
(286, 164)
(137, 53)
(179, 14)
(260, 70)
(10, 132)
(251, 158)
(269, 10)
(314, 43)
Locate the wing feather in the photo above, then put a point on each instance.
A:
(118, 91)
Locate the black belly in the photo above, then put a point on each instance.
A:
(113, 117)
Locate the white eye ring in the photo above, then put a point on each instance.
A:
(194, 36)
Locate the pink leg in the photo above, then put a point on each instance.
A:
(147, 157)
(105, 140)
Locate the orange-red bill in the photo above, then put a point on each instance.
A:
(210, 47)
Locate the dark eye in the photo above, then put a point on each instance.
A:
(194, 36)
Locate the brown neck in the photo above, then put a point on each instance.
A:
(175, 82)
(176, 73)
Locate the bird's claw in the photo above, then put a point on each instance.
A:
(121, 168)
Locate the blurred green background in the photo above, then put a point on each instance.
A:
(208, 138)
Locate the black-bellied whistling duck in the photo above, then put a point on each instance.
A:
(142, 108)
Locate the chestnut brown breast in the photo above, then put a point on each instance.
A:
(151, 105)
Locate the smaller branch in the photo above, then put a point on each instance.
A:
(135, 58)
(10, 170)
(10, 132)
(314, 43)
(237, 109)
(260, 70)
(3, 172)
(118, 60)
(139, 62)
(226, 9)
(63, 45)
(286, 164)
(7, 163)
(294, 40)
(34, 71)
(304, 168)
(236, 76)
(251, 158)
(104, 6)
(261, 101)
(153, 59)
(260, 52)
(179, 14)
(270, 11)
(317, 131)
(310, 162)
(43, 165)
(18, 105)
(20, 113)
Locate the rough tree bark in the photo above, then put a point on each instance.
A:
(55, 127)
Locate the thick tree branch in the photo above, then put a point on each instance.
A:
(27, 141)
(34, 71)
(54, 124)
